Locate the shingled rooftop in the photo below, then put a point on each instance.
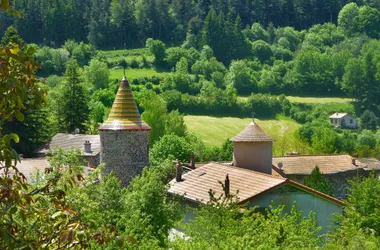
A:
(196, 184)
(252, 133)
(328, 164)
(68, 141)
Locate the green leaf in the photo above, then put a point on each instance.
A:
(15, 137)
(55, 215)
(5, 4)
(19, 115)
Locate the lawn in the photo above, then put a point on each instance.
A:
(215, 130)
(299, 99)
(134, 73)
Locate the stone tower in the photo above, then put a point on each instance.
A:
(124, 137)
(253, 149)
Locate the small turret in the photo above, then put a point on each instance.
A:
(253, 149)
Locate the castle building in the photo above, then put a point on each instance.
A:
(253, 149)
(124, 137)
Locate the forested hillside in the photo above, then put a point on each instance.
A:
(204, 59)
(109, 24)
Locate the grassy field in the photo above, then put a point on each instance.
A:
(298, 99)
(312, 100)
(133, 73)
(215, 130)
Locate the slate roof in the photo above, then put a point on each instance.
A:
(68, 141)
(31, 165)
(124, 114)
(252, 133)
(328, 164)
(370, 163)
(338, 115)
(197, 183)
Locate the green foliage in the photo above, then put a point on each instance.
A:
(221, 218)
(241, 78)
(348, 19)
(158, 49)
(170, 146)
(367, 138)
(156, 114)
(97, 74)
(11, 36)
(19, 67)
(74, 105)
(148, 213)
(262, 51)
(359, 226)
(368, 120)
(319, 182)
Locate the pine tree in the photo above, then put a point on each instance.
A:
(74, 102)
(319, 182)
(11, 35)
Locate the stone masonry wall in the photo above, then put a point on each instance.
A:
(125, 153)
(338, 180)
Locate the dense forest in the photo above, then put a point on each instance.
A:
(120, 24)
(221, 65)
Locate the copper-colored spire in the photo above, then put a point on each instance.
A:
(124, 114)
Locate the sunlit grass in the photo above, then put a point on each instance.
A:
(215, 130)
(134, 73)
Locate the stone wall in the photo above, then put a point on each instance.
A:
(92, 160)
(125, 153)
(338, 180)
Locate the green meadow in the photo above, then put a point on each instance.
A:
(215, 130)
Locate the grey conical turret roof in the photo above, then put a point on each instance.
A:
(252, 133)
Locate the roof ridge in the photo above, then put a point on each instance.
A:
(247, 170)
(302, 155)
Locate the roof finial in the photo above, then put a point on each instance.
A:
(124, 71)
(253, 116)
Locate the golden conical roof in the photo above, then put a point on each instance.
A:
(124, 114)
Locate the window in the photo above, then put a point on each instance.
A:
(351, 121)
(331, 121)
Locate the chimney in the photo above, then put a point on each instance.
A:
(21, 156)
(87, 147)
(179, 171)
(354, 162)
(227, 186)
(192, 162)
(280, 165)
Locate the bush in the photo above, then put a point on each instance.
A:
(170, 146)
(134, 63)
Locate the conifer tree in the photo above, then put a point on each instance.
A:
(74, 103)
(319, 182)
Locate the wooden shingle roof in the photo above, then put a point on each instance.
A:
(196, 184)
(252, 133)
(328, 164)
(124, 114)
